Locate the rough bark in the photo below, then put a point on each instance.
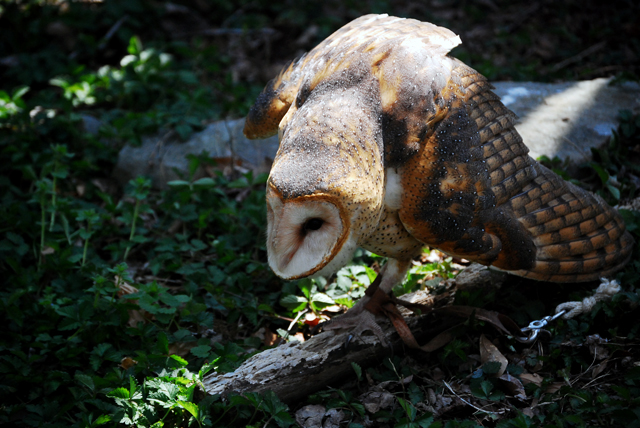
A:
(295, 370)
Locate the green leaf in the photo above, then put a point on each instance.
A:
(321, 300)
(19, 92)
(408, 408)
(294, 303)
(415, 393)
(205, 182)
(602, 173)
(135, 46)
(486, 387)
(169, 300)
(425, 421)
(357, 369)
(179, 360)
(208, 367)
(306, 285)
(201, 351)
(119, 393)
(615, 192)
(163, 343)
(101, 420)
(272, 404)
(189, 407)
(631, 219)
(491, 367)
(345, 301)
(133, 387)
(75, 258)
(198, 245)
(358, 408)
(85, 234)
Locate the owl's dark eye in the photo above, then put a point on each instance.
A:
(303, 94)
(312, 224)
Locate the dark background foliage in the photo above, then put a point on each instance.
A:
(116, 301)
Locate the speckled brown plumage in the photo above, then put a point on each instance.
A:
(412, 147)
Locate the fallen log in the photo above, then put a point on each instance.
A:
(294, 370)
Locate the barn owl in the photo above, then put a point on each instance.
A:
(390, 144)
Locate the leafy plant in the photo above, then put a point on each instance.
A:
(312, 299)
(117, 303)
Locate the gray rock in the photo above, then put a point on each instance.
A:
(163, 158)
(560, 119)
(567, 119)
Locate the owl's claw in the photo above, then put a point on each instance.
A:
(358, 320)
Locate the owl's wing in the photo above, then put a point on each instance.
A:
(491, 203)
(274, 102)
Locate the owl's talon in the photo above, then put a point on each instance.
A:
(359, 320)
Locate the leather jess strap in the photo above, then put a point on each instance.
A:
(382, 304)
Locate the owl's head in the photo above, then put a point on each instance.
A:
(307, 235)
(325, 188)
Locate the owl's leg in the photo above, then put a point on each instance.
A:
(361, 317)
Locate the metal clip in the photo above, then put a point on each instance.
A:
(537, 326)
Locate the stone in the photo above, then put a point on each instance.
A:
(164, 159)
(555, 119)
(567, 119)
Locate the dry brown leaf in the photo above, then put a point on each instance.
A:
(267, 337)
(335, 418)
(599, 352)
(437, 374)
(81, 188)
(473, 361)
(443, 338)
(135, 315)
(127, 362)
(310, 415)
(554, 387)
(181, 348)
(432, 398)
(373, 401)
(311, 319)
(489, 353)
(46, 250)
(599, 369)
(514, 386)
(332, 308)
(433, 256)
(124, 288)
(501, 322)
(138, 316)
(534, 378)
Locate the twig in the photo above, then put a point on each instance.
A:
(576, 58)
(112, 31)
(466, 402)
(593, 380)
(578, 149)
(577, 378)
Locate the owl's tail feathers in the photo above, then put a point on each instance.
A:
(578, 237)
